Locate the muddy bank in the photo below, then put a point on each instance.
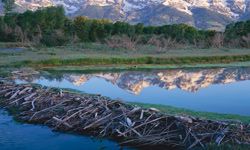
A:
(100, 116)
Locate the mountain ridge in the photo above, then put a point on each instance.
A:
(203, 14)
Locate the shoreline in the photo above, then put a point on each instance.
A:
(136, 61)
(96, 68)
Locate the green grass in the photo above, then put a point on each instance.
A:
(205, 115)
(100, 54)
(5, 72)
(134, 62)
(143, 67)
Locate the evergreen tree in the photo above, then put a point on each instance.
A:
(8, 5)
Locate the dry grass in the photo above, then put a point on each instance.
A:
(97, 50)
(123, 42)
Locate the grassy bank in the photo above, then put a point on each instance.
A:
(143, 67)
(205, 115)
(135, 63)
(139, 61)
(84, 54)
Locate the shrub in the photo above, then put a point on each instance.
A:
(246, 40)
(56, 38)
(218, 40)
(122, 41)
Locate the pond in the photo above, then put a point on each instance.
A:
(221, 90)
(17, 136)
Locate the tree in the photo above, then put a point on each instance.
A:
(82, 28)
(8, 6)
(217, 40)
(139, 28)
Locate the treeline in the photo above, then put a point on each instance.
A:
(238, 34)
(45, 26)
(51, 27)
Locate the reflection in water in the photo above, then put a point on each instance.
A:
(198, 89)
(187, 80)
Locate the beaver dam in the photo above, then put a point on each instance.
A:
(102, 117)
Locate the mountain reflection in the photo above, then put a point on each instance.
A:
(188, 80)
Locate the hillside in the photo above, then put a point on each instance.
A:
(204, 14)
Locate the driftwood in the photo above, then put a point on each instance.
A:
(101, 116)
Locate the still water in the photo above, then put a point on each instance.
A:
(222, 90)
(17, 49)
(17, 136)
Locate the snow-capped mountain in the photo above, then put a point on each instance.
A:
(207, 14)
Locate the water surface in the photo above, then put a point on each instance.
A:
(17, 136)
(14, 49)
(223, 90)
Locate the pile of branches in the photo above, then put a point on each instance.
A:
(130, 125)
